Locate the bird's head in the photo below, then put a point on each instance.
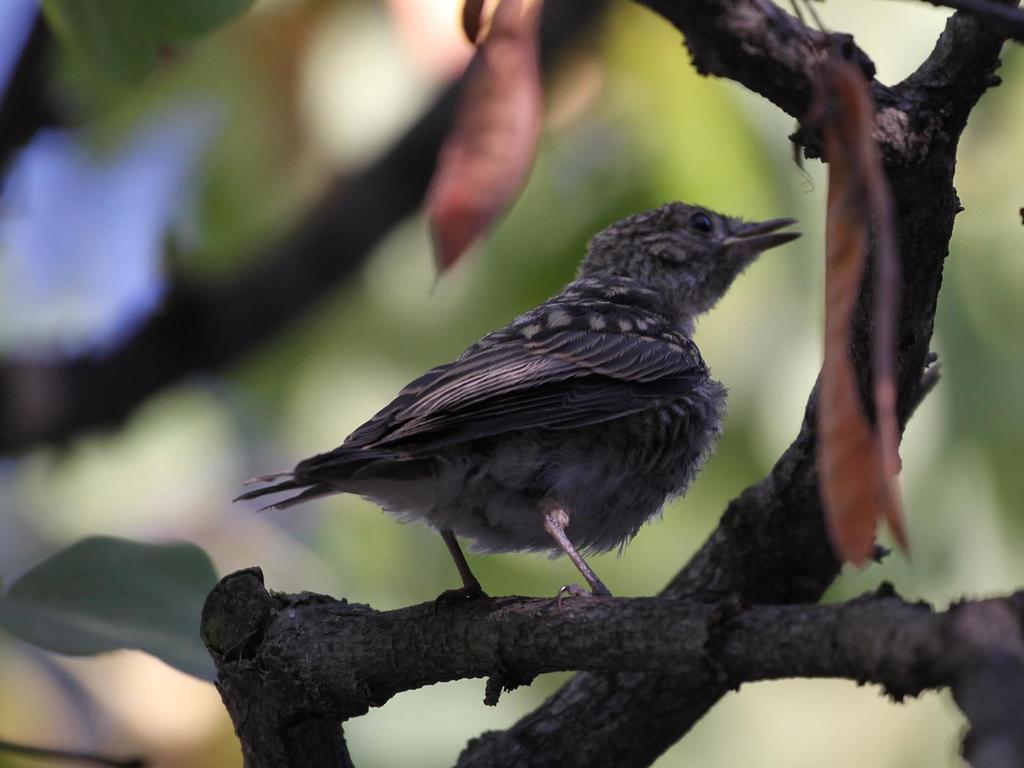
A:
(689, 254)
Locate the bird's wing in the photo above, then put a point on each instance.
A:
(556, 378)
(378, 426)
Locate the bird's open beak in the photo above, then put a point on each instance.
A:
(761, 235)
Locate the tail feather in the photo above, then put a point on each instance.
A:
(332, 472)
(313, 492)
(267, 478)
(339, 463)
(288, 485)
(308, 491)
(362, 464)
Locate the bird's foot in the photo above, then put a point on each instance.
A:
(575, 590)
(464, 594)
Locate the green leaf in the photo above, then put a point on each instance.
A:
(122, 38)
(185, 19)
(106, 34)
(102, 593)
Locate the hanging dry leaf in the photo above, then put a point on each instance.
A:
(857, 461)
(472, 19)
(485, 161)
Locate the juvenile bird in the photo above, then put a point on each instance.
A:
(569, 428)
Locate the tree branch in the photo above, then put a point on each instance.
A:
(757, 44)
(68, 756)
(330, 657)
(204, 327)
(1010, 20)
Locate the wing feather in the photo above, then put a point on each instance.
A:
(572, 404)
(557, 380)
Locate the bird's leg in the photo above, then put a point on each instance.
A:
(470, 586)
(556, 521)
(469, 581)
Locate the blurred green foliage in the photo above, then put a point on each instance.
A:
(636, 126)
(103, 594)
(123, 38)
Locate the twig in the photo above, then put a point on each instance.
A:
(86, 758)
(1011, 18)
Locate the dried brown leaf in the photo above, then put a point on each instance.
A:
(486, 160)
(858, 461)
(472, 19)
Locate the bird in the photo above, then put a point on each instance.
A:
(569, 428)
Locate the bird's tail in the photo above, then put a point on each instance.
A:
(307, 491)
(339, 471)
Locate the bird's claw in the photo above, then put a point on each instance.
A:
(464, 594)
(575, 590)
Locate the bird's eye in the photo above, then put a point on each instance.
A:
(700, 222)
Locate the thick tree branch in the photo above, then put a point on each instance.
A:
(757, 44)
(204, 327)
(330, 657)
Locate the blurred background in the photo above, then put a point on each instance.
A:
(190, 170)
